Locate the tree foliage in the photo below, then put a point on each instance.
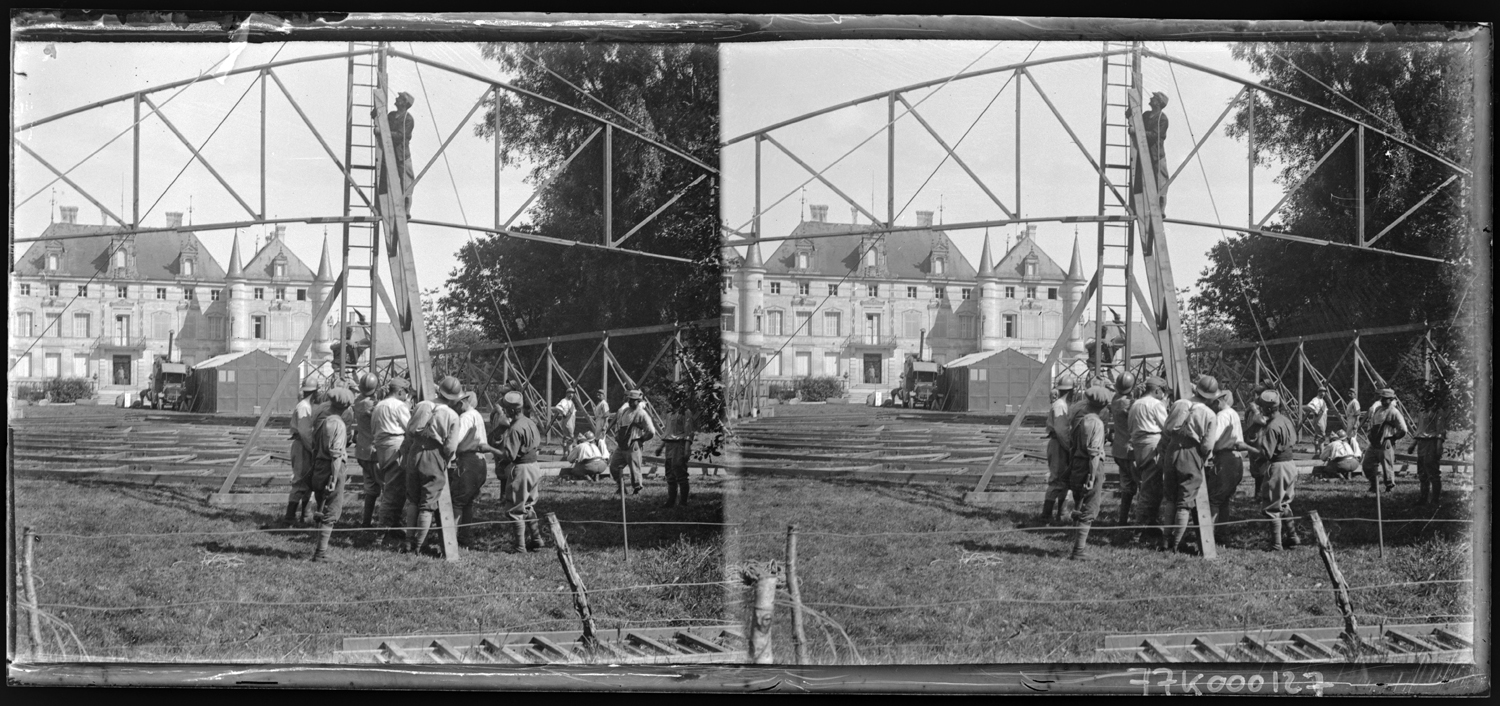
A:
(1262, 287)
(513, 289)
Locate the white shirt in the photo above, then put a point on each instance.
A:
(470, 431)
(584, 451)
(1227, 422)
(389, 418)
(302, 421)
(564, 408)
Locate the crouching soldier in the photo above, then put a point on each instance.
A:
(587, 457)
(677, 445)
(515, 458)
(1086, 476)
(330, 453)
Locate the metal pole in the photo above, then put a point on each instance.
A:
(496, 137)
(890, 160)
(1017, 79)
(263, 145)
(1359, 184)
(135, 167)
(1301, 371)
(609, 233)
(1250, 165)
(549, 392)
(756, 227)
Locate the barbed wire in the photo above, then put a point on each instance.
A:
(298, 530)
(366, 601)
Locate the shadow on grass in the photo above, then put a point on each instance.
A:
(1002, 548)
(270, 552)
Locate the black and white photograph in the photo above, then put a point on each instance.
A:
(366, 352)
(1133, 352)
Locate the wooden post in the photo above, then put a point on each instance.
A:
(1379, 512)
(1340, 586)
(760, 622)
(1206, 523)
(29, 560)
(799, 634)
(575, 582)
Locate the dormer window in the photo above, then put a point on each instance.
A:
(120, 258)
(937, 266)
(1028, 266)
(278, 269)
(52, 262)
(187, 268)
(803, 260)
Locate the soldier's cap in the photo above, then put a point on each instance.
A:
(340, 397)
(634, 395)
(1320, 388)
(1097, 396)
(1124, 382)
(309, 385)
(399, 384)
(1340, 434)
(582, 436)
(450, 388)
(1065, 382)
(1159, 96)
(1269, 398)
(512, 400)
(1387, 393)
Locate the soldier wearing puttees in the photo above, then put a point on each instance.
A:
(434, 444)
(388, 422)
(633, 428)
(1119, 420)
(328, 475)
(400, 125)
(1187, 442)
(302, 438)
(1059, 447)
(1155, 123)
(1229, 457)
(364, 443)
(677, 444)
(1386, 425)
(1086, 474)
(468, 473)
(1317, 414)
(515, 457)
(1147, 414)
(1428, 445)
(1273, 447)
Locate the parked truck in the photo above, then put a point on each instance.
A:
(919, 380)
(168, 381)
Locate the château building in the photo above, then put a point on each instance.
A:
(103, 306)
(857, 305)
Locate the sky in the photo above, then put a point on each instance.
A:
(764, 83)
(301, 180)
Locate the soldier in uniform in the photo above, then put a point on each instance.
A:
(677, 444)
(303, 415)
(1155, 123)
(633, 429)
(434, 443)
(1086, 473)
(467, 474)
(1059, 448)
(1386, 425)
(516, 458)
(364, 443)
(1189, 433)
(400, 124)
(1428, 445)
(1147, 413)
(1119, 421)
(1273, 448)
(327, 478)
(388, 423)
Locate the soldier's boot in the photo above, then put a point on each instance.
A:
(1179, 528)
(671, 494)
(1437, 490)
(1163, 534)
(1275, 534)
(1426, 486)
(533, 534)
(302, 509)
(519, 546)
(1080, 541)
(367, 519)
(1291, 538)
(290, 517)
(1125, 501)
(424, 525)
(466, 518)
(324, 535)
(684, 493)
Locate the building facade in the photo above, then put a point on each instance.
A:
(856, 306)
(103, 306)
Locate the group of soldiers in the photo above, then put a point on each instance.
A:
(627, 430)
(408, 453)
(1167, 451)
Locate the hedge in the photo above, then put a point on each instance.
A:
(69, 389)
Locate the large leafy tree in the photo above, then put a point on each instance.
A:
(512, 288)
(1264, 287)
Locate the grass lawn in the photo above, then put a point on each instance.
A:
(201, 594)
(913, 575)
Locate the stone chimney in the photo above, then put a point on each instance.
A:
(819, 213)
(1031, 232)
(103, 217)
(174, 219)
(924, 219)
(280, 232)
(68, 214)
(853, 215)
